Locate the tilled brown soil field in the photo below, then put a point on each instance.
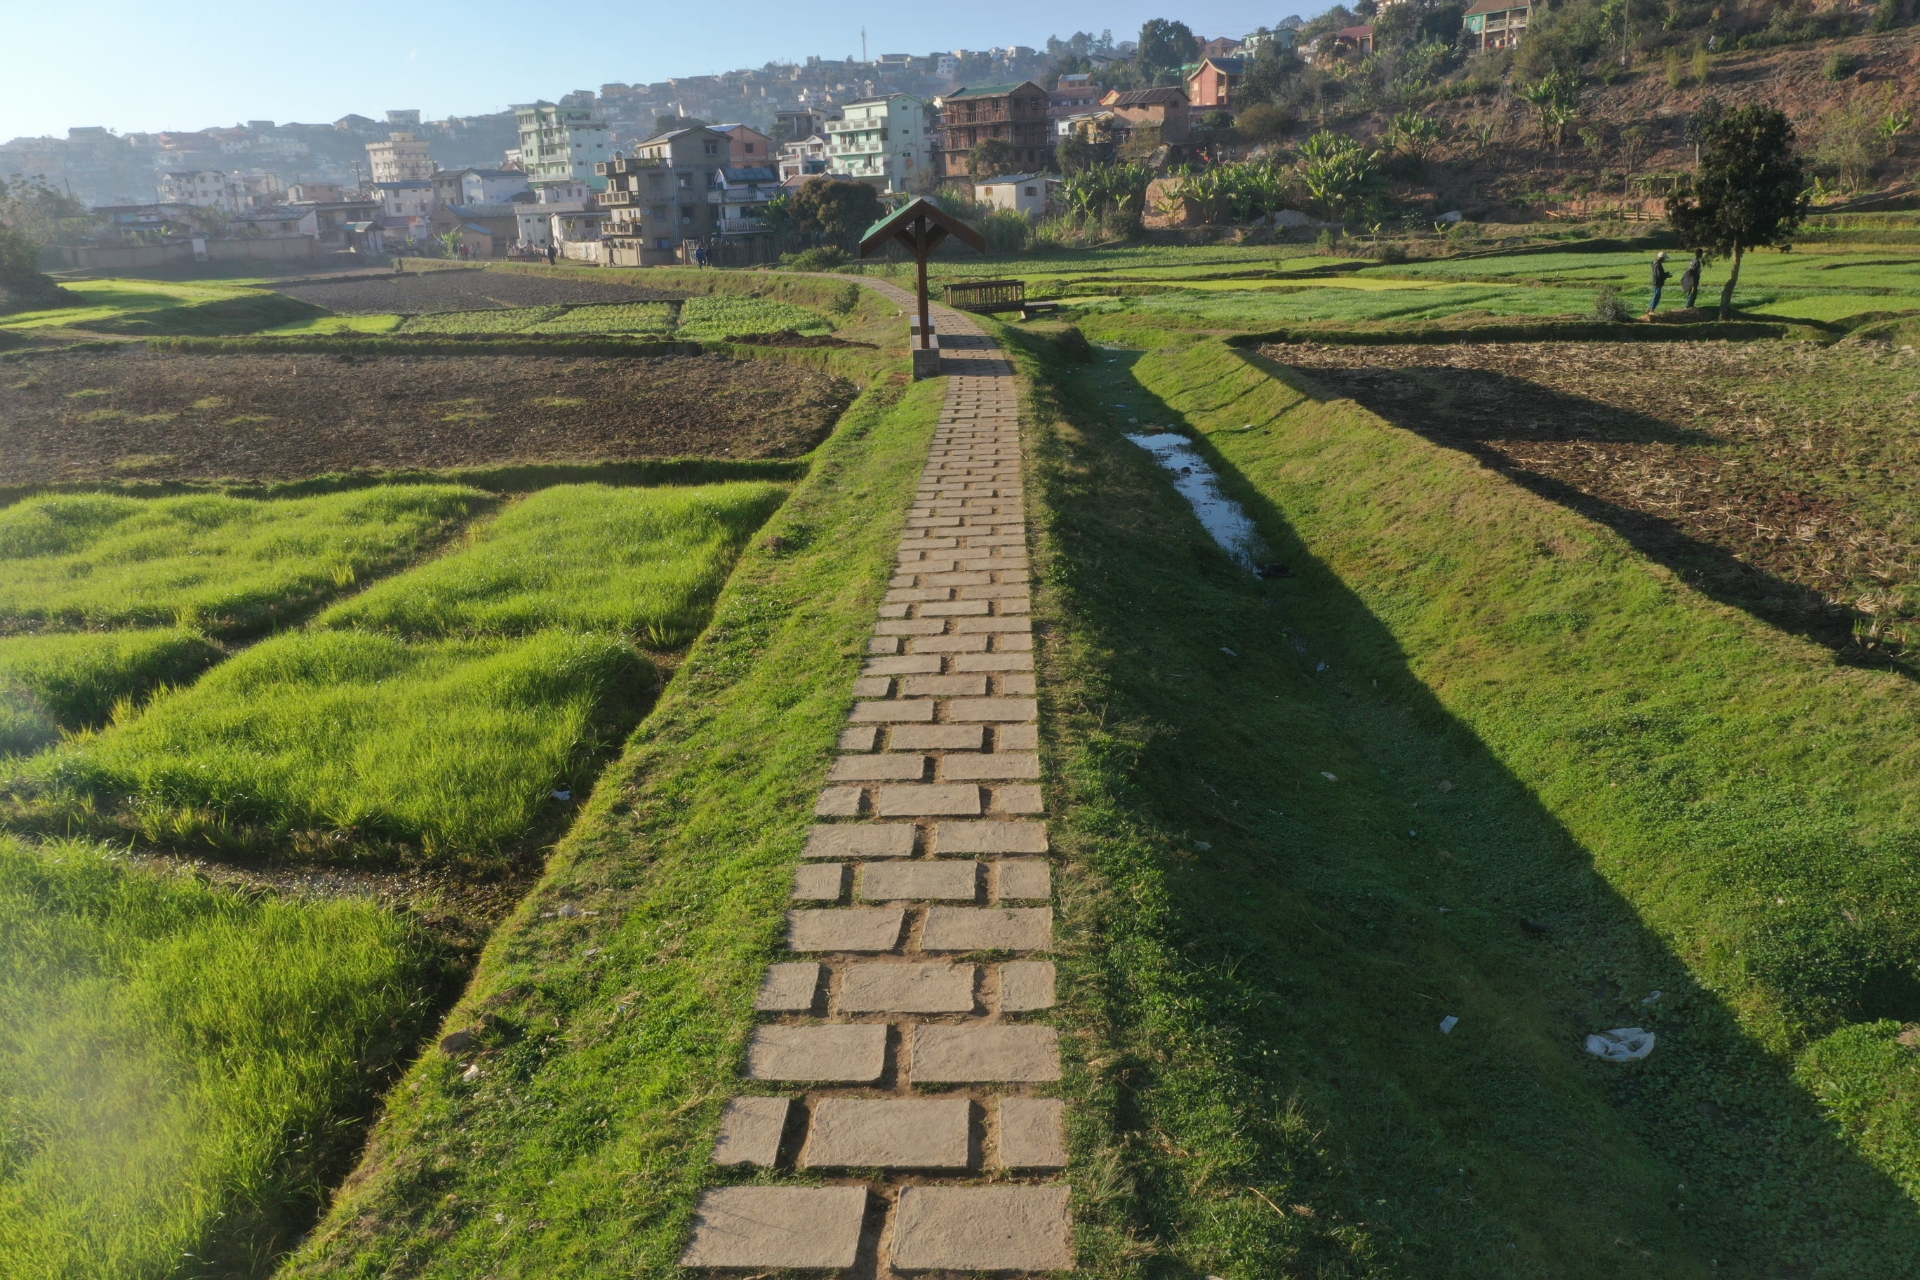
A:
(139, 415)
(456, 290)
(1780, 477)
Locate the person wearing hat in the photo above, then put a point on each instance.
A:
(1659, 281)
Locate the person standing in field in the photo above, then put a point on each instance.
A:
(1690, 279)
(1659, 281)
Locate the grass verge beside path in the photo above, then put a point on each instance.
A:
(231, 566)
(609, 1015)
(1559, 781)
(184, 1070)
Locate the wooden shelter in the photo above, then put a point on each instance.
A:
(921, 226)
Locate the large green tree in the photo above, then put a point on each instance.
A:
(1165, 46)
(835, 210)
(1750, 189)
(989, 158)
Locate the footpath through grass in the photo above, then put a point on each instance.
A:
(230, 566)
(184, 1070)
(568, 1132)
(1478, 760)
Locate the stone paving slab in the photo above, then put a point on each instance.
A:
(838, 802)
(847, 1054)
(1032, 1133)
(819, 882)
(933, 800)
(984, 929)
(907, 988)
(990, 709)
(938, 737)
(1025, 878)
(845, 929)
(889, 766)
(895, 711)
(872, 840)
(750, 1130)
(859, 1133)
(789, 988)
(920, 879)
(807, 1228)
(982, 1229)
(1026, 985)
(859, 737)
(970, 1053)
(991, 766)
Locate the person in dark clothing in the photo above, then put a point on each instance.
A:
(1659, 281)
(1690, 279)
(553, 255)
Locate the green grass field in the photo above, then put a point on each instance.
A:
(642, 563)
(55, 682)
(229, 566)
(612, 1035)
(1525, 721)
(446, 746)
(121, 299)
(184, 1069)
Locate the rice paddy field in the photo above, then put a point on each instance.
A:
(375, 680)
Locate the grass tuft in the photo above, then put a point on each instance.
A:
(183, 1067)
(54, 682)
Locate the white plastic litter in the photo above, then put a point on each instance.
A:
(1622, 1044)
(1329, 777)
(1447, 1024)
(1653, 999)
(1230, 653)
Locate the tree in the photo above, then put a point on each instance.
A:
(1269, 75)
(1165, 46)
(989, 158)
(1263, 122)
(1073, 154)
(834, 210)
(1750, 190)
(1556, 96)
(1413, 135)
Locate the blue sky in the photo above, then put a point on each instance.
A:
(142, 67)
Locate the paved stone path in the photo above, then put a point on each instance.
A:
(900, 1036)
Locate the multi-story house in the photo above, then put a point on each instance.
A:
(477, 186)
(803, 159)
(1140, 113)
(405, 199)
(1073, 95)
(740, 195)
(656, 199)
(1211, 85)
(1497, 24)
(207, 188)
(1012, 113)
(882, 141)
(749, 148)
(561, 144)
(401, 158)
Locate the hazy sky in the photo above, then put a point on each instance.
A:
(138, 67)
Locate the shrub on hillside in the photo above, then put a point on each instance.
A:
(1609, 307)
(825, 258)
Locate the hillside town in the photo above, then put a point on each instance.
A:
(554, 177)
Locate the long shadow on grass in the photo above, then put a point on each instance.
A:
(1469, 409)
(1292, 904)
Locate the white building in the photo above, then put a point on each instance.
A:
(805, 158)
(561, 144)
(401, 158)
(1022, 192)
(205, 188)
(405, 199)
(882, 141)
(946, 66)
(565, 209)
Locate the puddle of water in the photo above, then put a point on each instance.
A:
(1224, 518)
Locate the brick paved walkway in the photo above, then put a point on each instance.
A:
(902, 1028)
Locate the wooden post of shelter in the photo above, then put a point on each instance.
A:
(920, 225)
